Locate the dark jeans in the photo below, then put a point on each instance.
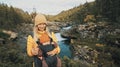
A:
(50, 60)
(38, 62)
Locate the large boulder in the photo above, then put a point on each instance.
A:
(13, 35)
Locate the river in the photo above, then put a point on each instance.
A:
(64, 46)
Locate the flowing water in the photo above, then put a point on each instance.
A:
(65, 48)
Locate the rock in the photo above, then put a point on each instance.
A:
(13, 35)
(54, 28)
(70, 33)
(82, 27)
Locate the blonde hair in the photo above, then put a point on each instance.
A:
(36, 34)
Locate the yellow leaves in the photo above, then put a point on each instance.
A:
(99, 45)
(89, 18)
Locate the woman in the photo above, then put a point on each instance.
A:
(43, 47)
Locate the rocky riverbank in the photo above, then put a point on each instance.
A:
(90, 40)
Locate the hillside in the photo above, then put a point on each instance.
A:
(100, 9)
(76, 14)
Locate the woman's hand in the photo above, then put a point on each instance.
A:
(35, 51)
(53, 52)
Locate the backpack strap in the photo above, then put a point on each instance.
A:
(38, 42)
(51, 40)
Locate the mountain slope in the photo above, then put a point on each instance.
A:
(76, 14)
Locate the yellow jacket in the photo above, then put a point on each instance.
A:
(32, 44)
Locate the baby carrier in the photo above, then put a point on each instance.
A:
(51, 61)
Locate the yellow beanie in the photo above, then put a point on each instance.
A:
(39, 18)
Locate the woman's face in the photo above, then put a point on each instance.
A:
(41, 27)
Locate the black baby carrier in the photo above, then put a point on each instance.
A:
(50, 60)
